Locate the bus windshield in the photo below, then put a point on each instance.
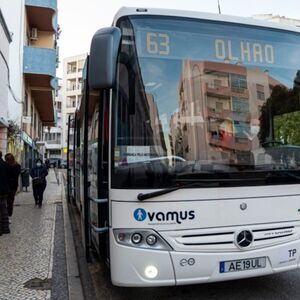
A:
(200, 99)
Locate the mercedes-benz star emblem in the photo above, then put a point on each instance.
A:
(244, 238)
(243, 206)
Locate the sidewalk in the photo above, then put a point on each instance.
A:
(26, 254)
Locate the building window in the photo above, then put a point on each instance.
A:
(238, 83)
(260, 92)
(81, 65)
(217, 83)
(80, 83)
(58, 106)
(25, 104)
(219, 106)
(71, 85)
(71, 102)
(71, 68)
(240, 105)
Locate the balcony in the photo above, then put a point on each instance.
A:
(40, 61)
(42, 14)
(230, 141)
(40, 70)
(228, 114)
(42, 3)
(225, 91)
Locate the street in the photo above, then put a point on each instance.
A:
(281, 286)
(34, 264)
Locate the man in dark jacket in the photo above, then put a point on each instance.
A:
(39, 183)
(4, 191)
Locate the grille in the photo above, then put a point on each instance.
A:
(222, 240)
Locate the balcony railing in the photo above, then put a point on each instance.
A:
(228, 114)
(226, 91)
(230, 141)
(39, 61)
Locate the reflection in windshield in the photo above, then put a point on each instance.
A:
(222, 105)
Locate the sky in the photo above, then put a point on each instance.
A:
(80, 19)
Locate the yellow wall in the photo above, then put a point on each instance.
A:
(45, 40)
(28, 128)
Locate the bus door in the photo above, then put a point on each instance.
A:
(77, 156)
(70, 160)
(97, 171)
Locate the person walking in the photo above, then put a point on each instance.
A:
(39, 183)
(4, 190)
(14, 173)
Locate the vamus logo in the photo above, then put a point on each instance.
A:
(162, 217)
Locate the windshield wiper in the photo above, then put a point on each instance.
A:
(210, 182)
(282, 175)
(145, 196)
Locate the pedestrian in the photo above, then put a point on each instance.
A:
(39, 183)
(4, 190)
(47, 163)
(14, 173)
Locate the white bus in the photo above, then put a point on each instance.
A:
(186, 148)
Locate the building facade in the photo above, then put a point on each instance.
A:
(32, 64)
(219, 107)
(5, 40)
(71, 91)
(39, 68)
(53, 135)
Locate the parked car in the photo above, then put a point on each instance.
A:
(63, 163)
(54, 162)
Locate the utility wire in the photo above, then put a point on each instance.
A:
(8, 80)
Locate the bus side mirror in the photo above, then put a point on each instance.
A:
(103, 58)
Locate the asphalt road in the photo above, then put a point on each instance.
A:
(279, 286)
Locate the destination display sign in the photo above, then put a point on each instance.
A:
(244, 47)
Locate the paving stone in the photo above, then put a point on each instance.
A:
(26, 253)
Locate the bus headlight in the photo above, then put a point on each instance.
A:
(136, 238)
(141, 238)
(151, 272)
(151, 239)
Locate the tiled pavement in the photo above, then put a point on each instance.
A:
(26, 253)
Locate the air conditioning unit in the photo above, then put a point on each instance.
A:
(33, 34)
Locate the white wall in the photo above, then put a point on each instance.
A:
(65, 93)
(13, 11)
(4, 48)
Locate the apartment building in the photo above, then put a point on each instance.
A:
(5, 40)
(40, 62)
(219, 106)
(32, 64)
(71, 91)
(53, 135)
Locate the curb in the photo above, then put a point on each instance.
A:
(74, 283)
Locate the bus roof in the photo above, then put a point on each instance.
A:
(129, 11)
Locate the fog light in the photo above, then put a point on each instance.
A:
(136, 238)
(151, 272)
(151, 239)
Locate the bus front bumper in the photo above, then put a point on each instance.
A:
(140, 267)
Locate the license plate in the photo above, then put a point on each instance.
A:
(243, 264)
